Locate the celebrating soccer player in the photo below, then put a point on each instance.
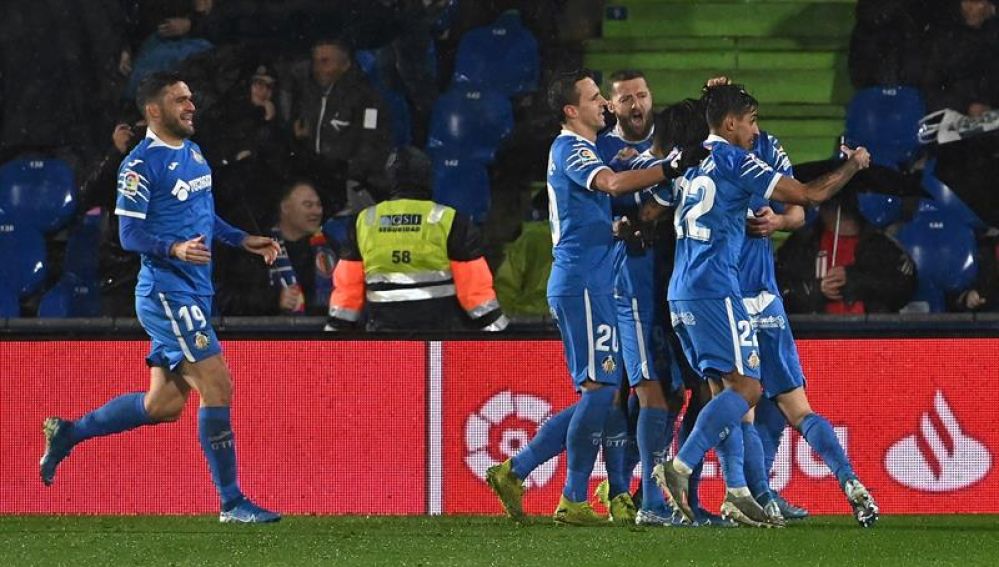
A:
(168, 216)
(580, 187)
(705, 294)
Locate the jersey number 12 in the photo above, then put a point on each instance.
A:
(701, 190)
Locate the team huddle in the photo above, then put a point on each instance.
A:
(729, 186)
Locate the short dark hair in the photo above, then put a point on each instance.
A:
(562, 90)
(152, 85)
(339, 43)
(723, 100)
(626, 75)
(681, 125)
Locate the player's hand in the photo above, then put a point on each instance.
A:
(765, 222)
(292, 299)
(192, 251)
(832, 284)
(263, 246)
(859, 156)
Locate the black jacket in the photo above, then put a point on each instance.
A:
(882, 275)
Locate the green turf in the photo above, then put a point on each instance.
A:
(121, 541)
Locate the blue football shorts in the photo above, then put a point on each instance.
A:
(645, 347)
(780, 367)
(717, 336)
(178, 324)
(588, 324)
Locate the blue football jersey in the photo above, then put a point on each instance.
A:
(170, 189)
(610, 144)
(634, 269)
(756, 264)
(710, 220)
(580, 219)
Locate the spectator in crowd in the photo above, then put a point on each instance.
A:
(962, 67)
(117, 268)
(300, 279)
(522, 279)
(843, 265)
(984, 292)
(245, 124)
(886, 44)
(417, 264)
(338, 117)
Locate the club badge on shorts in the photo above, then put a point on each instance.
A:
(754, 360)
(608, 364)
(201, 340)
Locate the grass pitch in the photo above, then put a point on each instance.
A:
(304, 540)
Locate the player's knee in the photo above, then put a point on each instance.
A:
(165, 409)
(650, 394)
(749, 389)
(674, 401)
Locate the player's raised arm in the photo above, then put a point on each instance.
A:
(821, 189)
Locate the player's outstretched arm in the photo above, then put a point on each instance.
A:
(820, 189)
(624, 182)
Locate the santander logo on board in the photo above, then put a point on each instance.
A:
(940, 457)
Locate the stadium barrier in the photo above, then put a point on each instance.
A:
(409, 426)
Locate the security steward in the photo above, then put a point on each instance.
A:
(417, 264)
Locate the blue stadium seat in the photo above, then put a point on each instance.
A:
(71, 297)
(886, 121)
(468, 123)
(38, 191)
(502, 56)
(9, 305)
(23, 251)
(946, 200)
(879, 209)
(77, 294)
(463, 185)
(944, 250)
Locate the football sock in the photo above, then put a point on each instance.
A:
(686, 426)
(615, 444)
(731, 457)
(548, 442)
(820, 435)
(719, 415)
(583, 440)
(770, 424)
(756, 475)
(632, 457)
(117, 415)
(653, 431)
(215, 433)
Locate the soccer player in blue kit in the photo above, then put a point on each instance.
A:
(705, 295)
(168, 216)
(580, 295)
(782, 377)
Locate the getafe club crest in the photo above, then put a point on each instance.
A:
(201, 340)
(197, 157)
(754, 360)
(608, 364)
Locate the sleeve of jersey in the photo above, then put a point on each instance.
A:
(751, 173)
(581, 163)
(134, 185)
(228, 234)
(135, 238)
(778, 158)
(666, 192)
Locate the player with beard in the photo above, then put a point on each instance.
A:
(167, 214)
